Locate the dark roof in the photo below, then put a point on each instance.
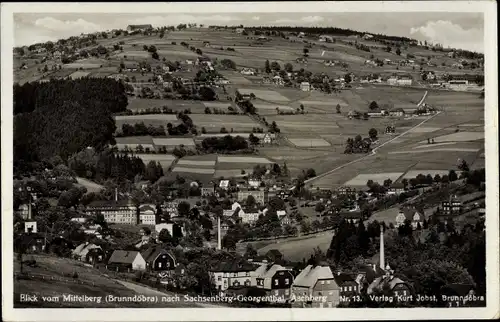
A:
(109, 203)
(409, 212)
(233, 266)
(123, 256)
(151, 253)
(343, 278)
(274, 252)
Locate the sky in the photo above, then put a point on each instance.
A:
(462, 30)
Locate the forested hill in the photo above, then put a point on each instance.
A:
(62, 117)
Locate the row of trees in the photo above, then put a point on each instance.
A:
(140, 129)
(225, 143)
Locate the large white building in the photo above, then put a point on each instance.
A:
(114, 212)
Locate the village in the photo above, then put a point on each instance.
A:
(228, 173)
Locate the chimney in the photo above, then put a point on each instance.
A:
(382, 255)
(219, 239)
(116, 194)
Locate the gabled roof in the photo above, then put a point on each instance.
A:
(409, 213)
(269, 273)
(274, 252)
(310, 275)
(123, 256)
(151, 253)
(234, 266)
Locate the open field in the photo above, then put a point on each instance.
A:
(141, 104)
(267, 95)
(436, 150)
(238, 159)
(147, 119)
(79, 74)
(206, 163)
(270, 109)
(299, 248)
(235, 78)
(332, 102)
(361, 179)
(165, 160)
(313, 142)
(212, 122)
(173, 141)
(231, 173)
(193, 170)
(134, 140)
(460, 137)
(424, 129)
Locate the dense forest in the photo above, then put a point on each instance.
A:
(62, 117)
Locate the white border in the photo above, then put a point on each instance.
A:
(491, 150)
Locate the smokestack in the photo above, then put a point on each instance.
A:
(116, 194)
(219, 239)
(382, 255)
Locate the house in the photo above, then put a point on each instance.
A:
(189, 62)
(275, 280)
(248, 71)
(278, 80)
(305, 86)
(315, 287)
(131, 67)
(123, 260)
(30, 242)
(452, 206)
(461, 295)
(346, 191)
(347, 284)
(393, 80)
(158, 259)
(451, 54)
(274, 255)
(207, 191)
(397, 287)
(301, 34)
(232, 274)
(224, 184)
(415, 217)
(30, 227)
(248, 216)
(354, 217)
(147, 214)
(259, 195)
(397, 112)
(114, 212)
(206, 43)
(405, 81)
(367, 36)
(56, 54)
(240, 30)
(24, 211)
(173, 228)
(254, 183)
(89, 253)
(397, 188)
(269, 138)
(139, 27)
(325, 38)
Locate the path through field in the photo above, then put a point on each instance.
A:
(374, 151)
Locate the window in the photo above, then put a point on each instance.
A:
(350, 288)
(330, 293)
(276, 282)
(286, 281)
(247, 274)
(287, 292)
(159, 264)
(327, 282)
(276, 292)
(219, 278)
(322, 282)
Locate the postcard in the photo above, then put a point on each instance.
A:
(249, 161)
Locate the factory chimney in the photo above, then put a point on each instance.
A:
(219, 239)
(382, 254)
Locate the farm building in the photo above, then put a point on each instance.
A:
(367, 36)
(275, 280)
(139, 27)
(305, 86)
(259, 195)
(415, 217)
(248, 71)
(325, 38)
(158, 259)
(240, 30)
(232, 274)
(122, 260)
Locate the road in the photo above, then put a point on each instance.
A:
(373, 152)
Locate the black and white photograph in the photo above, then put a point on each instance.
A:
(237, 156)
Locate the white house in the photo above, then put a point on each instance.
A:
(413, 215)
(233, 273)
(147, 214)
(248, 71)
(305, 86)
(240, 30)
